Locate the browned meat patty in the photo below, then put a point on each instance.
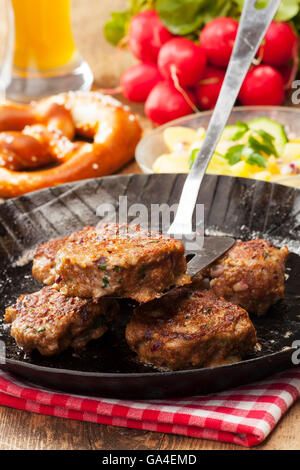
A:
(189, 328)
(112, 260)
(251, 274)
(51, 322)
(44, 258)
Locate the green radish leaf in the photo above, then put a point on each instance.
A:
(221, 8)
(286, 11)
(115, 28)
(135, 6)
(182, 16)
(187, 17)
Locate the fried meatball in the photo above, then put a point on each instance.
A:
(189, 328)
(251, 274)
(51, 322)
(112, 260)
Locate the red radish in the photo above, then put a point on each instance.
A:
(263, 85)
(288, 73)
(146, 35)
(217, 39)
(165, 103)
(285, 71)
(183, 58)
(138, 81)
(279, 44)
(209, 87)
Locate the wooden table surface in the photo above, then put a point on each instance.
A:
(24, 430)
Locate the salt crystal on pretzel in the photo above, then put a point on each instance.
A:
(41, 133)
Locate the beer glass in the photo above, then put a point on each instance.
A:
(6, 46)
(45, 59)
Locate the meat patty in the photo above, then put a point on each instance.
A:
(189, 328)
(43, 268)
(51, 322)
(251, 274)
(112, 260)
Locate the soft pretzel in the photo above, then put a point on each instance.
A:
(42, 133)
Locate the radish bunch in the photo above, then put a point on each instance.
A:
(176, 76)
(278, 56)
(169, 70)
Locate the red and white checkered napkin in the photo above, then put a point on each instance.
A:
(244, 415)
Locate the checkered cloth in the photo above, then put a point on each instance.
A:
(245, 415)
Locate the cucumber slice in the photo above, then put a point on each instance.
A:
(272, 127)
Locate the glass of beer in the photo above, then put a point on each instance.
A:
(6, 46)
(45, 58)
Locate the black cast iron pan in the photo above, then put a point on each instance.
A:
(233, 206)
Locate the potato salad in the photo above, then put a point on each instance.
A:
(257, 149)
